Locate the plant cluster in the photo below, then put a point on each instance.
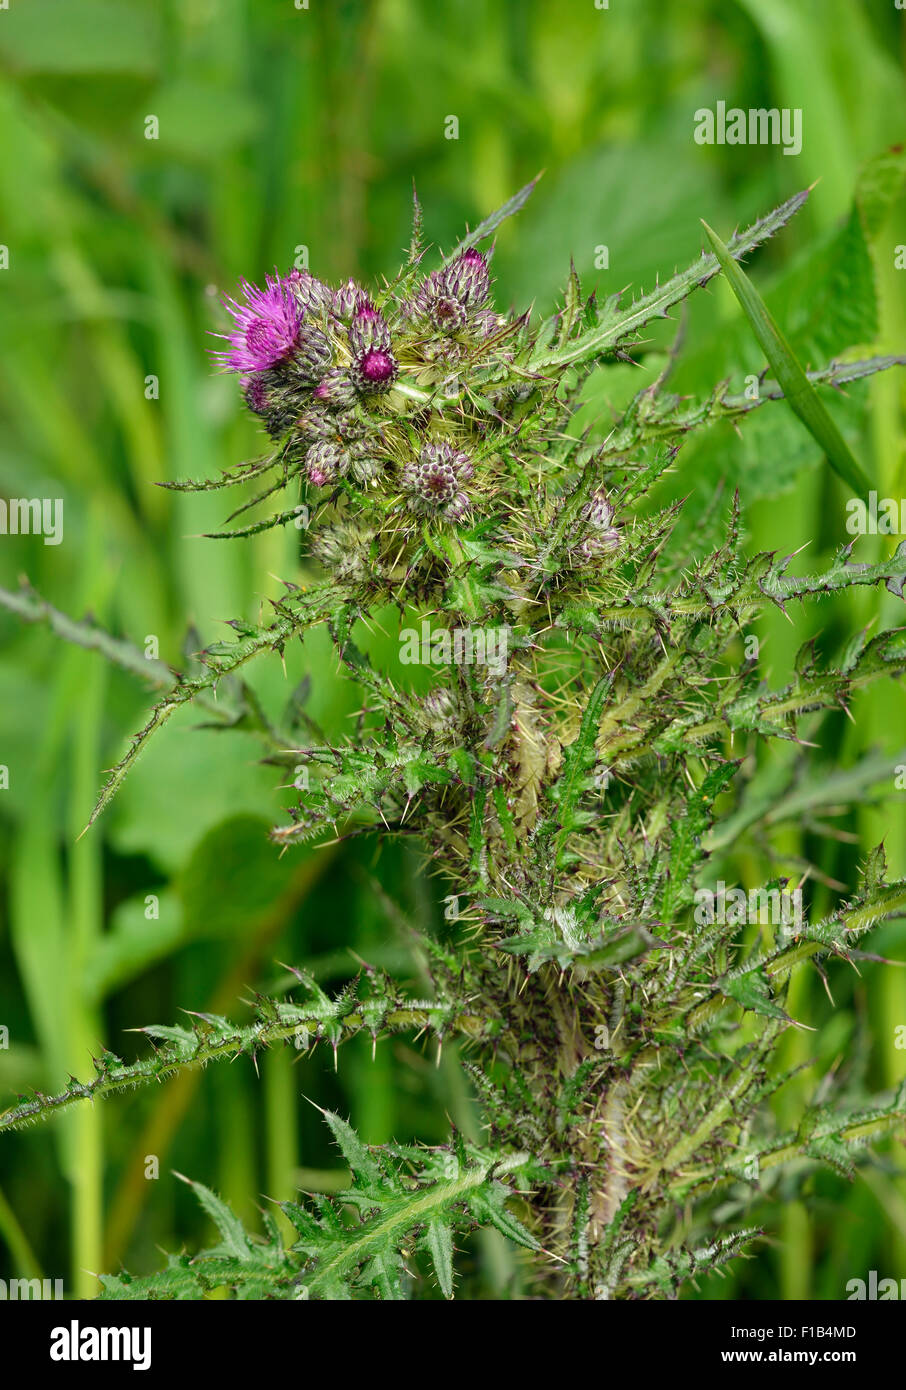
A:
(621, 1051)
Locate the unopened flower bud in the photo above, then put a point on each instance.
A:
(602, 536)
(256, 395)
(435, 303)
(439, 709)
(346, 550)
(310, 356)
(368, 331)
(434, 480)
(375, 370)
(335, 390)
(315, 423)
(265, 397)
(598, 511)
(466, 279)
(310, 294)
(349, 299)
(325, 462)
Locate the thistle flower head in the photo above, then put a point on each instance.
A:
(486, 322)
(310, 293)
(602, 535)
(450, 298)
(310, 356)
(435, 303)
(598, 511)
(335, 390)
(349, 298)
(373, 364)
(266, 397)
(439, 710)
(325, 462)
(434, 480)
(467, 280)
(315, 423)
(363, 466)
(368, 330)
(374, 370)
(266, 326)
(346, 550)
(256, 394)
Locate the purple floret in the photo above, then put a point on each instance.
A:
(377, 367)
(266, 328)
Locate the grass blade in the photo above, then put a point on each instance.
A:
(797, 388)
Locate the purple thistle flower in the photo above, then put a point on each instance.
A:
(373, 364)
(266, 326)
(375, 370)
(434, 480)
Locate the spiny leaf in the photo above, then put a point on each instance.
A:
(235, 1241)
(491, 223)
(617, 325)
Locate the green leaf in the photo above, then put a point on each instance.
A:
(753, 991)
(235, 1241)
(438, 1241)
(491, 223)
(356, 1154)
(797, 389)
(617, 325)
(685, 846)
(488, 1206)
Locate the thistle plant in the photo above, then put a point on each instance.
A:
(574, 802)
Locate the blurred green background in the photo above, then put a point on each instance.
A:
(281, 125)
